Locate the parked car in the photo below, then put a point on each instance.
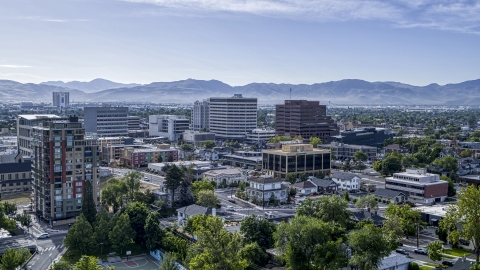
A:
(43, 235)
(146, 179)
(448, 263)
(231, 208)
(423, 251)
(402, 251)
(464, 242)
(232, 200)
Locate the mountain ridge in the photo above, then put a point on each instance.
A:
(348, 91)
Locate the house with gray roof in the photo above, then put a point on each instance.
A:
(395, 261)
(346, 181)
(305, 187)
(324, 186)
(390, 195)
(184, 213)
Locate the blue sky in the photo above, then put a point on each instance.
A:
(240, 41)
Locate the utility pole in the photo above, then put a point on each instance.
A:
(418, 233)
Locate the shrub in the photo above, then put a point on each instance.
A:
(354, 200)
(413, 266)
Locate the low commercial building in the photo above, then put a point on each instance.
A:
(295, 158)
(260, 135)
(196, 137)
(392, 196)
(198, 167)
(226, 176)
(347, 151)
(244, 159)
(16, 176)
(419, 185)
(364, 136)
(135, 158)
(262, 188)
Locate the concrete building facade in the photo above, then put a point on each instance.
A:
(200, 116)
(61, 99)
(169, 126)
(304, 118)
(25, 124)
(346, 151)
(232, 117)
(106, 121)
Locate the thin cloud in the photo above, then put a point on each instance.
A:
(14, 66)
(53, 20)
(460, 15)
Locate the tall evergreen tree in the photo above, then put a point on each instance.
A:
(80, 236)
(89, 209)
(173, 180)
(122, 234)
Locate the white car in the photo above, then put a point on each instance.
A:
(43, 235)
(146, 179)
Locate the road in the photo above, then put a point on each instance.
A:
(48, 250)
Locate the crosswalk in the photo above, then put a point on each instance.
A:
(43, 250)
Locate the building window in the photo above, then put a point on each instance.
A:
(78, 184)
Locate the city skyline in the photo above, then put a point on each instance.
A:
(239, 42)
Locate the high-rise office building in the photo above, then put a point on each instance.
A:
(61, 99)
(304, 118)
(106, 121)
(133, 122)
(64, 157)
(232, 117)
(200, 116)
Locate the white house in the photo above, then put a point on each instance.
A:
(226, 176)
(305, 187)
(265, 187)
(395, 262)
(346, 181)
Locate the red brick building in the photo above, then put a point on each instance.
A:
(304, 118)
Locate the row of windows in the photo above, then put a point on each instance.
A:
(16, 184)
(16, 176)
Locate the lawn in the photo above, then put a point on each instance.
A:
(433, 265)
(425, 267)
(17, 198)
(73, 256)
(457, 252)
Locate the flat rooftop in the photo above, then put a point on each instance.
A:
(38, 116)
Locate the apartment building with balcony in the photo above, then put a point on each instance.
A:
(141, 157)
(25, 124)
(232, 117)
(419, 185)
(262, 188)
(106, 121)
(64, 158)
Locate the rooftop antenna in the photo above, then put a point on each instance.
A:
(290, 93)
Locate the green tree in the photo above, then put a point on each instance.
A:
(260, 231)
(137, 213)
(359, 155)
(200, 185)
(368, 202)
(346, 196)
(213, 238)
(451, 186)
(315, 141)
(413, 266)
(175, 244)
(464, 215)
(392, 231)
(347, 166)
(61, 265)
(331, 209)
(132, 183)
(208, 198)
(194, 223)
(408, 217)
(153, 233)
(9, 208)
(89, 210)
(434, 251)
(173, 180)
(448, 163)
(24, 219)
(369, 246)
(466, 153)
(291, 178)
(168, 262)
(6, 223)
(80, 236)
(208, 144)
(101, 232)
(10, 259)
(114, 194)
(254, 254)
(475, 267)
(309, 243)
(87, 263)
(303, 177)
(122, 234)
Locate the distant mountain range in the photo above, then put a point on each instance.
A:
(91, 86)
(348, 91)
